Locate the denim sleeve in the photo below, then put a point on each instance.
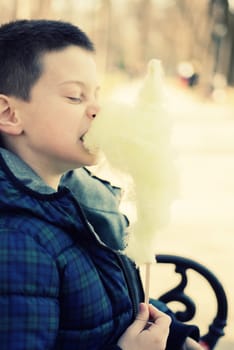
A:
(178, 331)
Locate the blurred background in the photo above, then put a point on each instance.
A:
(194, 39)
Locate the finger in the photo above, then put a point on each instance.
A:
(156, 314)
(160, 328)
(141, 320)
(159, 319)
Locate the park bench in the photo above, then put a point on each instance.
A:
(178, 295)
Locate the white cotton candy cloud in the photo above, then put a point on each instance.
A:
(136, 140)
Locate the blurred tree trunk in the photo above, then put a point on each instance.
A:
(231, 61)
(144, 11)
(22, 9)
(136, 39)
(101, 33)
(42, 9)
(7, 11)
(36, 9)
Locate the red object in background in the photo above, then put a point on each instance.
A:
(204, 345)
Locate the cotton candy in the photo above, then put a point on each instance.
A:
(135, 139)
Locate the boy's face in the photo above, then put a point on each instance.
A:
(62, 106)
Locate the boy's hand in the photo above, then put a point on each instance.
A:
(149, 331)
(191, 344)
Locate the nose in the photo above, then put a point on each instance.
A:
(92, 110)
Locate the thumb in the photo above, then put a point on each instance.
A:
(142, 318)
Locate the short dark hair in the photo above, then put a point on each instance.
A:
(23, 43)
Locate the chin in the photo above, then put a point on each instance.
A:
(92, 159)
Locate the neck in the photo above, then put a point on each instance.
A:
(52, 179)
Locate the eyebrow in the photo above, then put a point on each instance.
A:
(77, 82)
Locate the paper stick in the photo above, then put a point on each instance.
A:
(147, 282)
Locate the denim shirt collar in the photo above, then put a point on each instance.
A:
(24, 173)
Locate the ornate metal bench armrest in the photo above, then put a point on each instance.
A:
(177, 294)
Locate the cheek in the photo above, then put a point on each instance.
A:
(55, 121)
(68, 132)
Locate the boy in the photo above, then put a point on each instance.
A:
(61, 286)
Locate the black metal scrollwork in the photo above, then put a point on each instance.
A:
(177, 294)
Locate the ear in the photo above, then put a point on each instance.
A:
(10, 123)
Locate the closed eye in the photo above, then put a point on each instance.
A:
(75, 99)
